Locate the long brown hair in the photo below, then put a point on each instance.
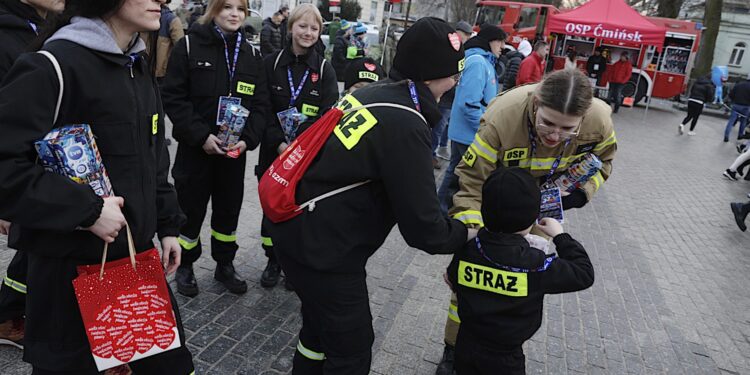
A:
(567, 91)
(214, 8)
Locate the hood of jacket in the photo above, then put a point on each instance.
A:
(471, 51)
(514, 55)
(17, 15)
(269, 22)
(94, 34)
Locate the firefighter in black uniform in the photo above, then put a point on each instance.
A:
(210, 67)
(500, 279)
(324, 252)
(19, 25)
(62, 224)
(300, 80)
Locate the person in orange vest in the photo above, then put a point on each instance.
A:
(532, 67)
(621, 72)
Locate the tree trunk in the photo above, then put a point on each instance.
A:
(711, 22)
(669, 8)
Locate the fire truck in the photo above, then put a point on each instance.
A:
(656, 73)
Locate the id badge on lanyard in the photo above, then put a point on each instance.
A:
(551, 205)
(225, 101)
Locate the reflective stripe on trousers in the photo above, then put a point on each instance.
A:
(15, 285)
(309, 354)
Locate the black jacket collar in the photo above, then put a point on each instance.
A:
(311, 59)
(16, 15)
(510, 250)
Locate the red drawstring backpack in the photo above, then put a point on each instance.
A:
(278, 185)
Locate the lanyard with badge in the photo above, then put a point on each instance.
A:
(551, 205)
(414, 96)
(290, 119)
(225, 101)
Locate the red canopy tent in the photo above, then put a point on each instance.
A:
(611, 20)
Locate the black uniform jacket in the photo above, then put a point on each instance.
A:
(122, 106)
(703, 90)
(195, 81)
(500, 307)
(390, 147)
(318, 95)
(596, 61)
(16, 31)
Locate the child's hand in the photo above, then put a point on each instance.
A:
(550, 226)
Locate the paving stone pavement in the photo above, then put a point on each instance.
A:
(671, 294)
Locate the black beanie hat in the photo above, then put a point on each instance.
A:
(362, 70)
(430, 49)
(491, 32)
(510, 200)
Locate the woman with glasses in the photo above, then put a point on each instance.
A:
(478, 86)
(544, 128)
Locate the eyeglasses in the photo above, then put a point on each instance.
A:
(545, 128)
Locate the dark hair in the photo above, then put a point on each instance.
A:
(283, 9)
(571, 55)
(91, 9)
(567, 91)
(539, 45)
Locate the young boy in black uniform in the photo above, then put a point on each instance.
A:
(501, 280)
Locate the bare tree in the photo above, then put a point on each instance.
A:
(669, 8)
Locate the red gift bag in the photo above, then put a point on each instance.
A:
(126, 308)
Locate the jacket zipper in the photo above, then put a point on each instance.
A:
(138, 129)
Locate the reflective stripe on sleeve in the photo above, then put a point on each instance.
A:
(309, 354)
(188, 243)
(469, 217)
(224, 237)
(598, 180)
(15, 285)
(483, 149)
(453, 313)
(606, 143)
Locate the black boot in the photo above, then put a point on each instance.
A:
(186, 284)
(445, 367)
(226, 275)
(740, 212)
(271, 274)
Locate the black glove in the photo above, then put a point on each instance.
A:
(576, 199)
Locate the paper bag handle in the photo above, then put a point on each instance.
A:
(131, 250)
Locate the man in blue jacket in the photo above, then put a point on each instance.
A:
(478, 86)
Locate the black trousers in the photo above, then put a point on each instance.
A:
(694, 111)
(336, 336)
(615, 95)
(199, 178)
(13, 289)
(475, 359)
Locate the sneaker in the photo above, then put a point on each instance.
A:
(11, 332)
(186, 283)
(739, 215)
(444, 153)
(681, 129)
(691, 133)
(741, 147)
(445, 367)
(226, 275)
(271, 274)
(730, 175)
(726, 139)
